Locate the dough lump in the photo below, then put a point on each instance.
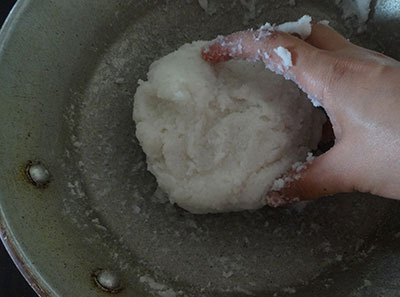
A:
(217, 136)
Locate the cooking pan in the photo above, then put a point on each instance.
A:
(81, 215)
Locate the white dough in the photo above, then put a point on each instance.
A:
(285, 55)
(302, 27)
(217, 137)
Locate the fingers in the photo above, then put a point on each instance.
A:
(326, 175)
(281, 52)
(307, 63)
(324, 37)
(259, 45)
(246, 44)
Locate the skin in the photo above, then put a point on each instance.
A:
(360, 91)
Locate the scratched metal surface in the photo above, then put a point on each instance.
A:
(68, 74)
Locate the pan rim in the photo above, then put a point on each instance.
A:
(7, 238)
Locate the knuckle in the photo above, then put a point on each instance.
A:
(336, 72)
(344, 69)
(277, 39)
(339, 67)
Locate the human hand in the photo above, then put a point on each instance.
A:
(358, 88)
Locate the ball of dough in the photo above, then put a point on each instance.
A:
(217, 136)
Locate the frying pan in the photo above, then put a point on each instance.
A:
(81, 215)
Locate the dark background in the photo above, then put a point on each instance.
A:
(12, 284)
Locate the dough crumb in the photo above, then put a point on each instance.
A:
(355, 13)
(301, 27)
(324, 22)
(203, 4)
(285, 55)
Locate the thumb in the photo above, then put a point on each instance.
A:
(326, 175)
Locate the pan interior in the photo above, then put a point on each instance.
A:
(308, 247)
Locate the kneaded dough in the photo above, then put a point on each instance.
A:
(217, 136)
